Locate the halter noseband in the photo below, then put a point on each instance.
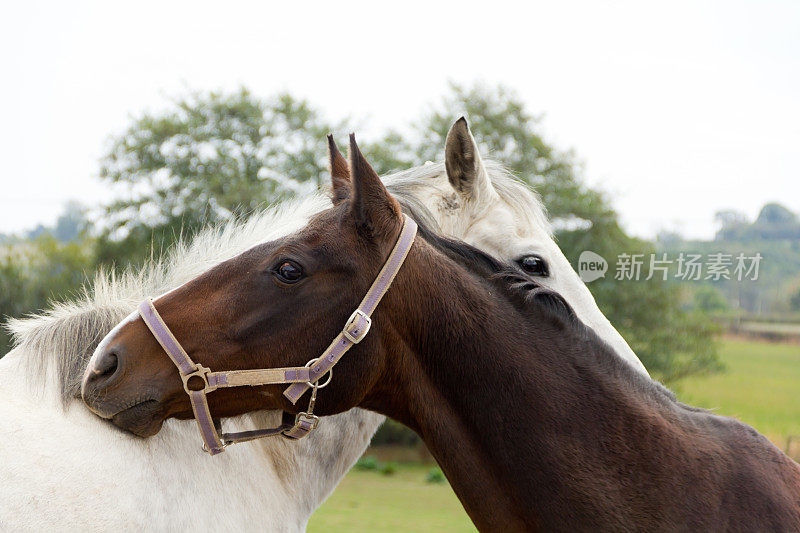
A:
(199, 380)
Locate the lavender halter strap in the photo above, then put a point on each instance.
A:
(199, 380)
(358, 324)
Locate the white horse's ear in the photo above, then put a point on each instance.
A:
(463, 164)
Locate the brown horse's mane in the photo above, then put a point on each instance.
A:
(535, 302)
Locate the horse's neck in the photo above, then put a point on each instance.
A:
(462, 382)
(516, 440)
(531, 422)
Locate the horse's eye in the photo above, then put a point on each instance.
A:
(534, 265)
(288, 272)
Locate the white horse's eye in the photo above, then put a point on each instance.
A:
(534, 265)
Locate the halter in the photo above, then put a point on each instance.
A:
(199, 380)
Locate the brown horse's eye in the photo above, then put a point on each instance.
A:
(288, 272)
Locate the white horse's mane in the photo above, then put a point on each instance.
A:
(60, 341)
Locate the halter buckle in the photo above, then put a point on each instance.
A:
(200, 372)
(309, 417)
(351, 329)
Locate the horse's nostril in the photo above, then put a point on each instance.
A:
(105, 366)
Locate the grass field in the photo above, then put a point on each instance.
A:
(374, 502)
(761, 386)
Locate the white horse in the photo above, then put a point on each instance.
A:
(63, 469)
(480, 203)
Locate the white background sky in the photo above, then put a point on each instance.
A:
(677, 109)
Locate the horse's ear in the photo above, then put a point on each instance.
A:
(463, 164)
(340, 173)
(372, 206)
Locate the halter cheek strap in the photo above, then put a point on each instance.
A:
(198, 380)
(358, 324)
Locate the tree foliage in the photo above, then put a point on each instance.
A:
(794, 300)
(69, 226)
(13, 297)
(208, 157)
(36, 272)
(774, 223)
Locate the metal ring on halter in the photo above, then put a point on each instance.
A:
(204, 447)
(316, 383)
(199, 372)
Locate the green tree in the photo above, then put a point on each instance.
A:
(794, 300)
(709, 299)
(206, 158)
(774, 213)
(36, 272)
(774, 223)
(732, 224)
(14, 301)
(56, 270)
(70, 225)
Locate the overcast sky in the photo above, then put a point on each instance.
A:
(677, 110)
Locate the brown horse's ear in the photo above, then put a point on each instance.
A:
(463, 164)
(340, 173)
(372, 206)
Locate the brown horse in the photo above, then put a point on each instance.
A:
(535, 421)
